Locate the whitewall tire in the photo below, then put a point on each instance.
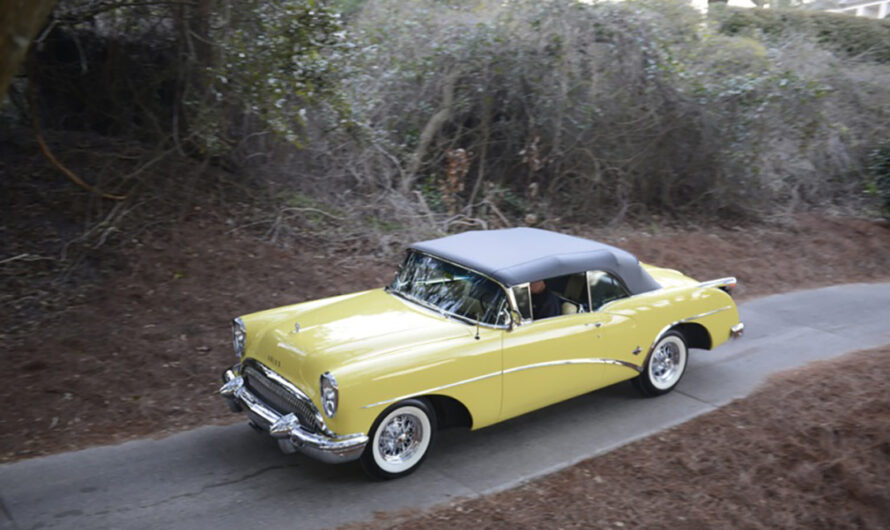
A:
(400, 439)
(665, 366)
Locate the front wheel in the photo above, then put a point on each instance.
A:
(400, 440)
(665, 366)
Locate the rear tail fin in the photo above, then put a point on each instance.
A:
(727, 284)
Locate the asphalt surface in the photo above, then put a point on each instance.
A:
(230, 477)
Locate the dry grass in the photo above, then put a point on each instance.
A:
(810, 449)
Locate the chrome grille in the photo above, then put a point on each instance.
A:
(278, 397)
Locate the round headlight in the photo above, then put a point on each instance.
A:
(330, 395)
(239, 336)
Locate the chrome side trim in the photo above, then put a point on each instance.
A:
(590, 360)
(709, 313)
(562, 362)
(431, 390)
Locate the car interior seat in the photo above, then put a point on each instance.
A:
(576, 291)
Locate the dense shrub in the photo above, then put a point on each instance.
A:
(598, 112)
(858, 37)
(444, 114)
(202, 71)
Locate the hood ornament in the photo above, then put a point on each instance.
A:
(296, 328)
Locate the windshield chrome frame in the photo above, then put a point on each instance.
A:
(515, 305)
(449, 314)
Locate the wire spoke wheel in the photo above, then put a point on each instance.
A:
(400, 440)
(665, 367)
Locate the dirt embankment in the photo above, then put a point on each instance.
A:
(811, 251)
(139, 350)
(810, 449)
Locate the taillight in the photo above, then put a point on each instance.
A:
(729, 287)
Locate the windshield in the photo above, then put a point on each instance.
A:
(451, 289)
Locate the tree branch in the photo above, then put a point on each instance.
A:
(35, 122)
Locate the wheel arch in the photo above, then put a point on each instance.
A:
(449, 411)
(696, 335)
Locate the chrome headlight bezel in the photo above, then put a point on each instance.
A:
(239, 337)
(330, 394)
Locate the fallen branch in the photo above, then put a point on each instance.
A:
(24, 257)
(312, 210)
(35, 122)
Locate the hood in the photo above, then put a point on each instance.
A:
(352, 329)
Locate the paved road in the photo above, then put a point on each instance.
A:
(229, 477)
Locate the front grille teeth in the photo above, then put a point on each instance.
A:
(279, 398)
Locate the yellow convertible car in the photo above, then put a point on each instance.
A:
(475, 328)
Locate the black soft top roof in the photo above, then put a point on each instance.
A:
(518, 255)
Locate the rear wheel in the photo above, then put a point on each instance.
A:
(665, 367)
(400, 440)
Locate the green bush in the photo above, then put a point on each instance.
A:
(165, 71)
(854, 36)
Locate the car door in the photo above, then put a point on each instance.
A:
(547, 361)
(550, 360)
(618, 340)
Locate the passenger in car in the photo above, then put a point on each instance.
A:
(545, 303)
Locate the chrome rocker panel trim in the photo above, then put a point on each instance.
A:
(331, 449)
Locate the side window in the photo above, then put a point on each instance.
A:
(523, 297)
(574, 291)
(604, 288)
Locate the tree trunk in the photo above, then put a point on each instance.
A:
(430, 131)
(20, 20)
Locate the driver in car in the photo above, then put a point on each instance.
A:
(545, 303)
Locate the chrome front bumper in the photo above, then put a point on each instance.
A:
(327, 448)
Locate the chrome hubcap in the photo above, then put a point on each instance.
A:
(666, 363)
(400, 438)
